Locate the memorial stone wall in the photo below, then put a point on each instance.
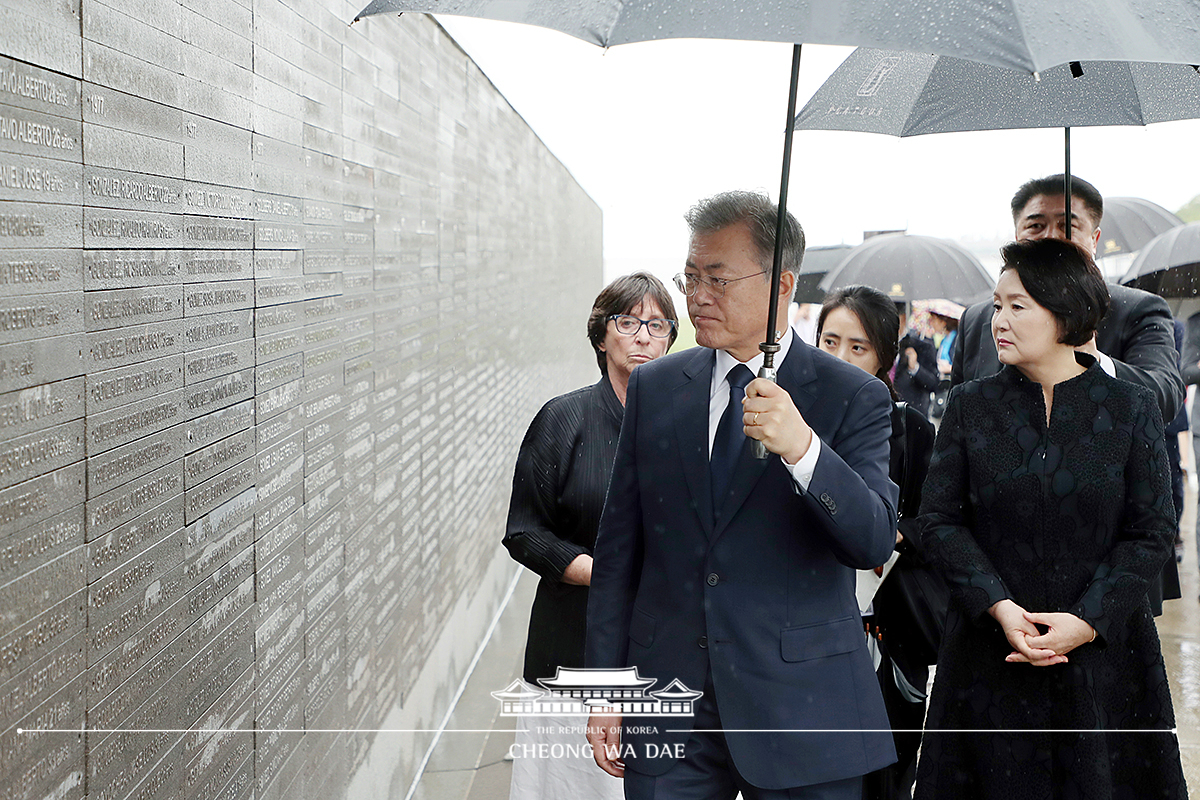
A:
(278, 296)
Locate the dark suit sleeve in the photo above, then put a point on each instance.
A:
(1149, 357)
(1190, 367)
(617, 558)
(947, 516)
(537, 483)
(926, 376)
(1147, 532)
(850, 489)
(967, 344)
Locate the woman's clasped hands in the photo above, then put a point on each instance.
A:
(1064, 632)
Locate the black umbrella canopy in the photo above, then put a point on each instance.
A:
(1169, 265)
(1131, 222)
(817, 262)
(1016, 34)
(907, 268)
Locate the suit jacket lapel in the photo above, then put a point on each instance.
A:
(794, 375)
(691, 426)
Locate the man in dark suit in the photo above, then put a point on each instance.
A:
(1190, 368)
(1135, 340)
(736, 575)
(916, 367)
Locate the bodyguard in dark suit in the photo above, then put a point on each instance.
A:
(736, 575)
(1134, 341)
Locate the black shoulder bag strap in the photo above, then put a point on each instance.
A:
(905, 471)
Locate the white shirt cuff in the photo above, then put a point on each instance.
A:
(1106, 363)
(802, 471)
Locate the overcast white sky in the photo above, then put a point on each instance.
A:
(647, 129)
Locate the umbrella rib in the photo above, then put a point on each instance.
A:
(1137, 91)
(908, 120)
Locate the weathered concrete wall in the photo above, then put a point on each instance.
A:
(277, 298)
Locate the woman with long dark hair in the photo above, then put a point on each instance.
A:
(861, 325)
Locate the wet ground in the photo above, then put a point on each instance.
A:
(1179, 631)
(471, 766)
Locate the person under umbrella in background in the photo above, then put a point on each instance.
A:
(1190, 368)
(949, 334)
(1047, 508)
(1168, 588)
(856, 325)
(804, 321)
(562, 472)
(915, 370)
(1133, 342)
(946, 328)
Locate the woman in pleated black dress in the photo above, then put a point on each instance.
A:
(562, 474)
(1048, 509)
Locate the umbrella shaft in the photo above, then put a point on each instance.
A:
(1067, 177)
(768, 346)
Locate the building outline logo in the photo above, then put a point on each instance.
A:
(870, 87)
(581, 691)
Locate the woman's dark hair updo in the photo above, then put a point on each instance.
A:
(1061, 277)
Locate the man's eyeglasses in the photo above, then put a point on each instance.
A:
(688, 283)
(629, 325)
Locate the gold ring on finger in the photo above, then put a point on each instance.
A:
(755, 422)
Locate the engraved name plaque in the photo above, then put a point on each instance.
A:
(118, 387)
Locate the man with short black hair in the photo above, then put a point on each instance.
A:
(1135, 340)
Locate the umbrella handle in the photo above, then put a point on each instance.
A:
(757, 448)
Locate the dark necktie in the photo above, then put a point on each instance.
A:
(730, 438)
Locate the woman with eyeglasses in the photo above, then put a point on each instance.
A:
(562, 474)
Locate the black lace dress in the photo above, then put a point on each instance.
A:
(1077, 517)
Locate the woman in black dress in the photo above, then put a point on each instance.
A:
(1048, 508)
(861, 325)
(562, 474)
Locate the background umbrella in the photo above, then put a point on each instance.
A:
(923, 311)
(1130, 222)
(818, 261)
(1169, 265)
(909, 94)
(913, 268)
(1017, 34)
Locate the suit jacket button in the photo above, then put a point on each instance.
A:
(703, 642)
(713, 579)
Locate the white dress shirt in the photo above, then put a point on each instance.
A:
(718, 400)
